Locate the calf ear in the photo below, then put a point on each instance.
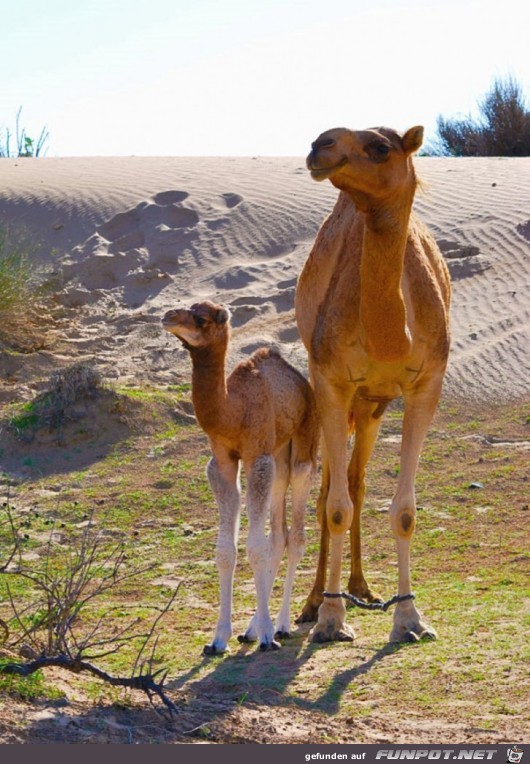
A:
(412, 140)
(222, 316)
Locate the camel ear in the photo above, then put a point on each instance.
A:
(222, 316)
(412, 140)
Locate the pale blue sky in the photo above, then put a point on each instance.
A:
(247, 77)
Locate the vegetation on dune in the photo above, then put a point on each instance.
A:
(23, 289)
(49, 409)
(24, 145)
(502, 128)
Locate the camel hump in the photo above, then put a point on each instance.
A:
(270, 350)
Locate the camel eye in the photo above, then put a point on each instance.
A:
(378, 151)
(199, 321)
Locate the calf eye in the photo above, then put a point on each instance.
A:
(382, 149)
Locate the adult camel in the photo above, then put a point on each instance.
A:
(372, 307)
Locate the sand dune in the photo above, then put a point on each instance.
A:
(134, 237)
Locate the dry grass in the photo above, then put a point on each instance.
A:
(23, 314)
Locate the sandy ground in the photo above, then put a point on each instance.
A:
(132, 237)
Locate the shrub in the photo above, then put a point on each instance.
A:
(21, 289)
(502, 129)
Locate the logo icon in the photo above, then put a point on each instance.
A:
(515, 754)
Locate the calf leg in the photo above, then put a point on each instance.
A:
(277, 538)
(260, 481)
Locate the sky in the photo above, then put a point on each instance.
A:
(247, 77)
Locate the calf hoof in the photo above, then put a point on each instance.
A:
(282, 635)
(245, 639)
(272, 645)
(213, 650)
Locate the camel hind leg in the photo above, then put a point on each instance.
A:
(277, 539)
(367, 418)
(314, 600)
(301, 475)
(260, 481)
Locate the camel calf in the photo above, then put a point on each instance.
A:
(263, 415)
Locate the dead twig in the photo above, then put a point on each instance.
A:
(145, 682)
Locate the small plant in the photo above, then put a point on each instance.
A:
(25, 146)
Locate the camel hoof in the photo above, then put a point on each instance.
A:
(282, 635)
(330, 633)
(309, 613)
(213, 650)
(272, 645)
(419, 633)
(245, 639)
(363, 592)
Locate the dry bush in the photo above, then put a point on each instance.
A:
(50, 409)
(60, 620)
(503, 127)
(23, 314)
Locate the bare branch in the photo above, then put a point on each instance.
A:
(144, 682)
(64, 584)
(154, 625)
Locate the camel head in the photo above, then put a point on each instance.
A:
(203, 325)
(368, 164)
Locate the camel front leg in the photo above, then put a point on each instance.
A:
(331, 626)
(419, 410)
(260, 479)
(223, 476)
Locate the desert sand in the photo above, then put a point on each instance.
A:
(129, 238)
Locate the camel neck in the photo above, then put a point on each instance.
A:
(383, 314)
(209, 393)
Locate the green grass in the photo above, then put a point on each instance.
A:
(30, 688)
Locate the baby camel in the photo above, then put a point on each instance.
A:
(263, 415)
